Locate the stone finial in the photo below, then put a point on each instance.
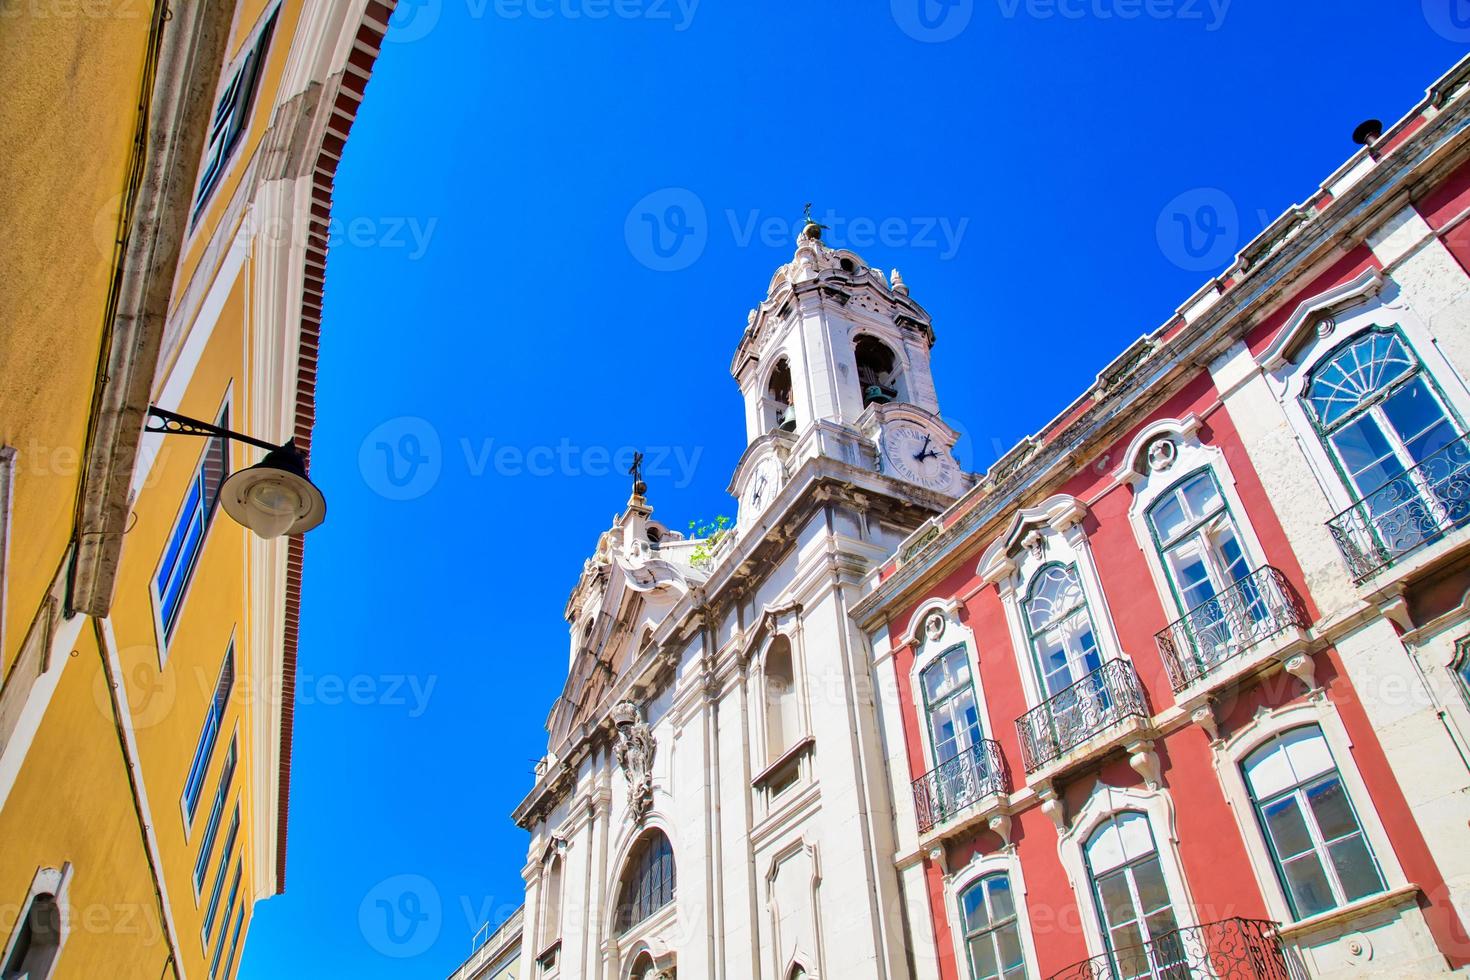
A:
(899, 286)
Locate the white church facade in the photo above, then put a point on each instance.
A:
(715, 798)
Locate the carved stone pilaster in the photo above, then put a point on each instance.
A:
(634, 752)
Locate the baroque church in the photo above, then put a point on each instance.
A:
(714, 797)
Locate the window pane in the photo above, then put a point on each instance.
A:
(1356, 869)
(1330, 806)
(1117, 903)
(1168, 518)
(1288, 828)
(1356, 373)
(1307, 883)
(982, 957)
(1201, 495)
(977, 916)
(1001, 902)
(1418, 419)
(1008, 938)
(1367, 454)
(1153, 894)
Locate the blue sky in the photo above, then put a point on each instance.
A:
(550, 222)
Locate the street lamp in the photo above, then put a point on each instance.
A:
(271, 498)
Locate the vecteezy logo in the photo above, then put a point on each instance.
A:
(148, 693)
(401, 916)
(1450, 19)
(932, 21)
(1199, 230)
(667, 230)
(401, 458)
(412, 20)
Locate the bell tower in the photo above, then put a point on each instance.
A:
(837, 345)
(832, 337)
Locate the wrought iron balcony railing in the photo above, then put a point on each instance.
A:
(974, 774)
(1256, 608)
(1409, 511)
(1090, 706)
(1233, 949)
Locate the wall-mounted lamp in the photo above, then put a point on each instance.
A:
(273, 497)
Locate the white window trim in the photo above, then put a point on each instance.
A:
(247, 45)
(1290, 360)
(926, 651)
(1010, 567)
(1006, 861)
(798, 680)
(1191, 456)
(160, 634)
(1105, 801)
(628, 837)
(234, 651)
(1231, 754)
(52, 881)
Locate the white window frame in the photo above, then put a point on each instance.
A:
(1105, 801)
(799, 691)
(928, 649)
(50, 881)
(1010, 564)
(232, 651)
(199, 206)
(1369, 301)
(1149, 484)
(1266, 725)
(1006, 861)
(226, 411)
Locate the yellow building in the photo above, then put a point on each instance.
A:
(168, 172)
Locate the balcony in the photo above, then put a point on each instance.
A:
(1259, 607)
(1233, 949)
(1414, 509)
(968, 778)
(1098, 703)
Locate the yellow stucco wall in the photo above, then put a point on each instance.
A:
(66, 129)
(71, 88)
(73, 805)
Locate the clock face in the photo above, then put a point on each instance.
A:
(918, 457)
(762, 488)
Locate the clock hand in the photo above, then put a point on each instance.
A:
(922, 449)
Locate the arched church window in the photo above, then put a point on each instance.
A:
(782, 721)
(780, 405)
(877, 369)
(648, 883)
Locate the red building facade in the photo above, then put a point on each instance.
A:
(1180, 687)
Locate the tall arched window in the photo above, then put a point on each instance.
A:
(551, 904)
(1393, 437)
(992, 932)
(1322, 857)
(783, 722)
(949, 703)
(1133, 904)
(1060, 627)
(648, 883)
(1205, 559)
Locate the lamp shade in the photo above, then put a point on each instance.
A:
(274, 497)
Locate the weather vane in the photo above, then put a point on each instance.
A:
(809, 219)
